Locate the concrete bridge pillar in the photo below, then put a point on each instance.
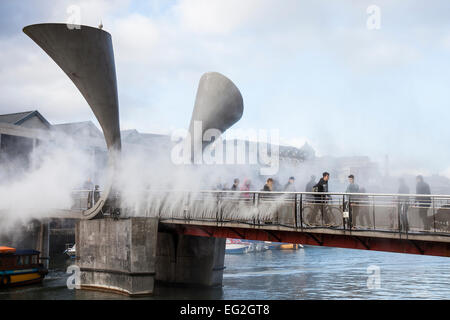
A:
(128, 255)
(117, 255)
(190, 260)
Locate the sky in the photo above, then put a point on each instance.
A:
(313, 70)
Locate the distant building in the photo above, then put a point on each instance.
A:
(89, 138)
(150, 142)
(27, 119)
(20, 134)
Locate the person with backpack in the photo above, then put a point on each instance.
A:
(320, 199)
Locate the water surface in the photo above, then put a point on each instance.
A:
(309, 273)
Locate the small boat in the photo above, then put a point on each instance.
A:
(236, 248)
(272, 245)
(256, 246)
(290, 246)
(20, 267)
(71, 251)
(284, 246)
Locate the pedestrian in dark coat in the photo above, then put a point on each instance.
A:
(423, 202)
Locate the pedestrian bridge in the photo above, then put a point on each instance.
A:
(384, 222)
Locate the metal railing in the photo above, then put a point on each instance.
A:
(396, 213)
(84, 199)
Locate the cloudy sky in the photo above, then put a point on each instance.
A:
(312, 69)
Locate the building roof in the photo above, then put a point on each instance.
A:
(26, 252)
(21, 117)
(288, 152)
(149, 139)
(84, 127)
(85, 132)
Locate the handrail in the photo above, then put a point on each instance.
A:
(300, 192)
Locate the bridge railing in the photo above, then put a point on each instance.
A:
(84, 199)
(307, 210)
(396, 213)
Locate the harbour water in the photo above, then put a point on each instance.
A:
(309, 273)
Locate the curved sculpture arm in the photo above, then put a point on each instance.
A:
(218, 105)
(86, 56)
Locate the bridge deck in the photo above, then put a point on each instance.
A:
(397, 223)
(426, 244)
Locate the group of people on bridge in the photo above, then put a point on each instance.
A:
(321, 196)
(272, 184)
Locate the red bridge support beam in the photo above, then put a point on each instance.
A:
(327, 240)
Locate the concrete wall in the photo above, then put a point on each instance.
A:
(190, 260)
(117, 255)
(128, 255)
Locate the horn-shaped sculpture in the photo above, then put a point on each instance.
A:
(218, 105)
(86, 56)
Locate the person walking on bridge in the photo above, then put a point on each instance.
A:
(403, 204)
(269, 185)
(321, 187)
(309, 188)
(89, 187)
(290, 186)
(423, 202)
(310, 184)
(235, 186)
(246, 187)
(351, 188)
(362, 210)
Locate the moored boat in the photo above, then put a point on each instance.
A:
(290, 246)
(20, 267)
(71, 251)
(235, 248)
(284, 246)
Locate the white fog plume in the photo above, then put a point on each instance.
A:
(150, 184)
(56, 169)
(153, 185)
